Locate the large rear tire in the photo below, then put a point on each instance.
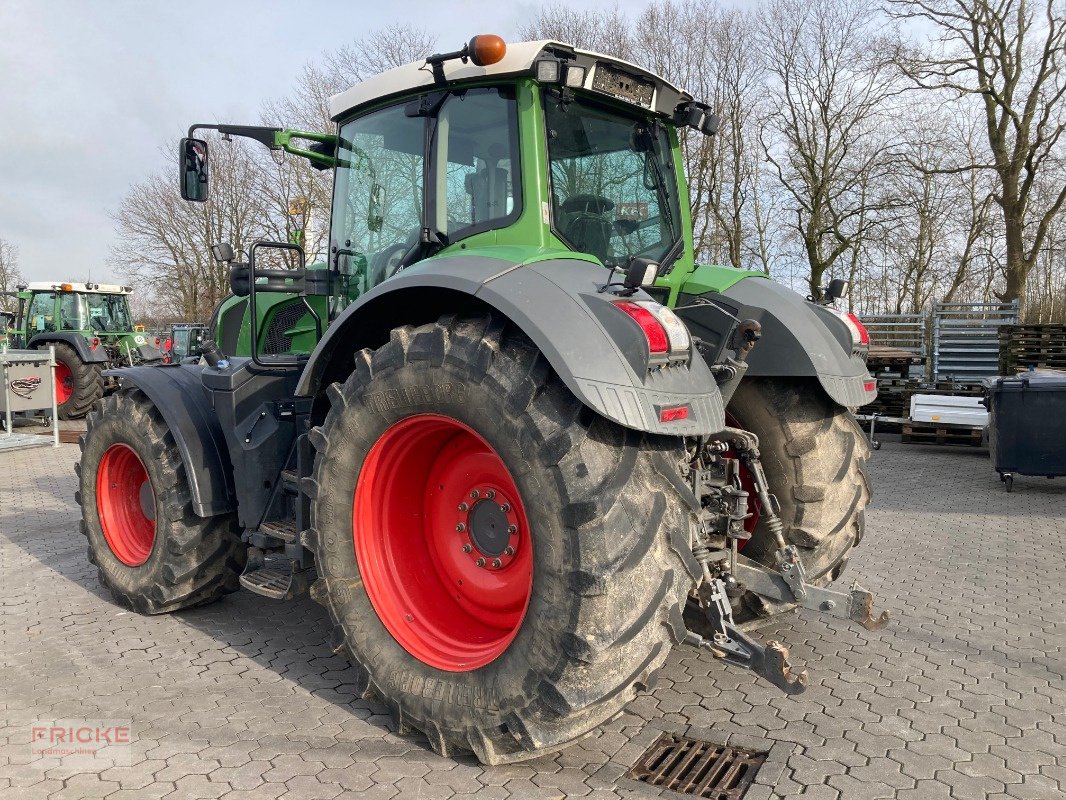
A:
(564, 630)
(814, 455)
(78, 384)
(153, 554)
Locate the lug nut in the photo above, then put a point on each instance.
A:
(480, 562)
(464, 507)
(512, 529)
(460, 527)
(496, 563)
(491, 494)
(508, 551)
(467, 548)
(506, 507)
(474, 495)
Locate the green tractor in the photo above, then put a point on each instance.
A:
(92, 329)
(511, 436)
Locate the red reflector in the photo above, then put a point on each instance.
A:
(864, 335)
(96, 342)
(653, 329)
(869, 386)
(674, 414)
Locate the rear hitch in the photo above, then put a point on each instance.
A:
(732, 645)
(728, 573)
(790, 585)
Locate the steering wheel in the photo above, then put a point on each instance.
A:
(386, 263)
(587, 204)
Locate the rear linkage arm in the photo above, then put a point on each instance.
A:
(788, 585)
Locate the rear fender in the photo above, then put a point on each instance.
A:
(596, 350)
(178, 394)
(799, 338)
(75, 340)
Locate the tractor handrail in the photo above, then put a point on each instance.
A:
(300, 283)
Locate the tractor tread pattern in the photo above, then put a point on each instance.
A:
(620, 515)
(88, 383)
(203, 558)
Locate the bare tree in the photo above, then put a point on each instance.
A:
(296, 195)
(830, 88)
(10, 276)
(604, 31)
(1007, 56)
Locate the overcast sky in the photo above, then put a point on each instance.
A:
(91, 90)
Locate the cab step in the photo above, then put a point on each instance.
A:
(284, 529)
(277, 578)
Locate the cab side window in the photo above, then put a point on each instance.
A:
(478, 139)
(41, 313)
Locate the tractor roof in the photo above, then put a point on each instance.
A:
(95, 288)
(601, 74)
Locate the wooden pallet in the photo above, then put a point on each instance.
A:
(936, 433)
(1038, 345)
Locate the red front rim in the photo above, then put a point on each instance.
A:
(126, 504)
(442, 542)
(64, 383)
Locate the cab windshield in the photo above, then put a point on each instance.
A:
(95, 312)
(614, 191)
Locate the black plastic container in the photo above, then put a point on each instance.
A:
(1027, 425)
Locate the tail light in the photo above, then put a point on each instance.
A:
(859, 335)
(665, 333)
(95, 342)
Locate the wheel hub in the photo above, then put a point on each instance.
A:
(488, 528)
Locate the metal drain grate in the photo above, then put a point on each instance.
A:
(701, 769)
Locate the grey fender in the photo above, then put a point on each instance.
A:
(75, 340)
(179, 395)
(799, 338)
(596, 350)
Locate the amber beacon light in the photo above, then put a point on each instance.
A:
(487, 48)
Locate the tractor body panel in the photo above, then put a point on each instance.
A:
(593, 347)
(76, 340)
(799, 338)
(178, 392)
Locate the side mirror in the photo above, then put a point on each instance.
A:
(375, 213)
(711, 123)
(194, 177)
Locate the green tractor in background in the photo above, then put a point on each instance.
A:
(92, 328)
(511, 435)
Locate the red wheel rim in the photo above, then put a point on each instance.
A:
(126, 505)
(442, 542)
(64, 383)
(747, 483)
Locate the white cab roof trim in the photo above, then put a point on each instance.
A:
(99, 288)
(519, 58)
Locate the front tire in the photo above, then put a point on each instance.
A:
(78, 384)
(600, 548)
(153, 554)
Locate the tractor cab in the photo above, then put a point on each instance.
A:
(523, 152)
(99, 313)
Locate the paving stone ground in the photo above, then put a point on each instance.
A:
(961, 696)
